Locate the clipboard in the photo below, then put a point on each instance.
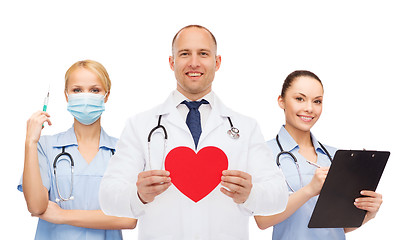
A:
(351, 172)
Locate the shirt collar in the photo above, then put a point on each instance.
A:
(288, 143)
(178, 98)
(286, 140)
(316, 144)
(106, 140)
(68, 138)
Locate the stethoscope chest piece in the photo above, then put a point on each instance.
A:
(234, 133)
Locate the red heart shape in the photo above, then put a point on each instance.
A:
(196, 175)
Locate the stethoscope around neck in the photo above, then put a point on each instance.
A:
(233, 132)
(64, 153)
(295, 161)
(60, 198)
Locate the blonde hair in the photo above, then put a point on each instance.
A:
(94, 67)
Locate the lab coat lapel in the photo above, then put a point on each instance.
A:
(171, 115)
(217, 115)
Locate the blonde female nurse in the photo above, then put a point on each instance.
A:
(68, 206)
(301, 99)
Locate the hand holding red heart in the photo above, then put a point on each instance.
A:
(239, 184)
(195, 175)
(152, 183)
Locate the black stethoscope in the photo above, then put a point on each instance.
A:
(64, 153)
(233, 133)
(295, 160)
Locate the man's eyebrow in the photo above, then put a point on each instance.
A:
(200, 50)
(183, 50)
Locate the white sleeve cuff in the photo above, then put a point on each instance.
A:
(249, 206)
(137, 206)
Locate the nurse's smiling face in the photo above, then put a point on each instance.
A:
(302, 103)
(194, 62)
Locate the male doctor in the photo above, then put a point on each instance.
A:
(137, 185)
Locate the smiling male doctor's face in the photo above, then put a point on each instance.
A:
(194, 62)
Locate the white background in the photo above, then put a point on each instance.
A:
(353, 46)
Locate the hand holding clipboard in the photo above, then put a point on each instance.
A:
(350, 173)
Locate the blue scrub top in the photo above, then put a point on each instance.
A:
(87, 179)
(296, 226)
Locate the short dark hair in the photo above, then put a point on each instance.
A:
(193, 26)
(298, 73)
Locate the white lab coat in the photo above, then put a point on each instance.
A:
(172, 215)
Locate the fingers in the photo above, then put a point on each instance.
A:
(239, 185)
(152, 177)
(152, 183)
(371, 203)
(371, 194)
(35, 125)
(314, 187)
(155, 189)
(39, 118)
(367, 205)
(40, 113)
(321, 173)
(235, 180)
(322, 170)
(148, 193)
(153, 173)
(235, 184)
(227, 192)
(236, 173)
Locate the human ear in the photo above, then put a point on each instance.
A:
(281, 102)
(106, 97)
(171, 62)
(218, 62)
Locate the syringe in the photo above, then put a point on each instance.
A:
(46, 102)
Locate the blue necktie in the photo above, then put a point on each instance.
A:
(193, 119)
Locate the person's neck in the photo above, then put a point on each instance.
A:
(302, 138)
(87, 133)
(194, 96)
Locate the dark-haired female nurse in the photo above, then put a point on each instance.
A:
(301, 99)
